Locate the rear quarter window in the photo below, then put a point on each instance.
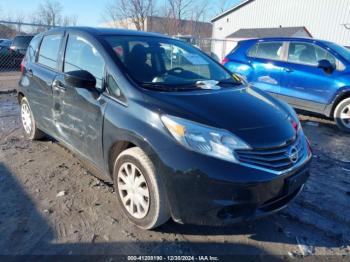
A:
(33, 49)
(238, 45)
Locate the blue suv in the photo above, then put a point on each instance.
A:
(311, 75)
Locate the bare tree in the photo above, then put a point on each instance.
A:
(19, 19)
(198, 14)
(69, 21)
(120, 11)
(222, 6)
(50, 13)
(177, 10)
(180, 8)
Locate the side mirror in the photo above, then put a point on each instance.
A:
(81, 79)
(326, 66)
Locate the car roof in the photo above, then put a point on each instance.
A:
(302, 39)
(24, 35)
(113, 31)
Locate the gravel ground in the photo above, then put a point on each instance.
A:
(51, 205)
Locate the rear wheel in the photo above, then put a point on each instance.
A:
(140, 192)
(28, 122)
(342, 115)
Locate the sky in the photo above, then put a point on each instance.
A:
(88, 12)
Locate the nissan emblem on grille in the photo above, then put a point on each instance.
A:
(293, 154)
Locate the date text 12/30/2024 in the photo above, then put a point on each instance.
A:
(173, 258)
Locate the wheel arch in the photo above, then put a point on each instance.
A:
(20, 95)
(340, 97)
(123, 143)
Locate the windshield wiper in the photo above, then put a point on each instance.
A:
(229, 81)
(168, 87)
(200, 84)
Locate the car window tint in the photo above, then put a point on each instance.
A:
(82, 55)
(176, 57)
(310, 54)
(154, 60)
(32, 48)
(113, 88)
(303, 53)
(22, 41)
(49, 49)
(252, 50)
(269, 50)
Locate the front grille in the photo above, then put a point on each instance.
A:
(277, 159)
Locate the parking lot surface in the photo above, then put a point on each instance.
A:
(50, 204)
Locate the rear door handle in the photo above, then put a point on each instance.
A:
(288, 70)
(58, 86)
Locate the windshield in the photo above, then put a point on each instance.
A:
(157, 61)
(344, 52)
(22, 41)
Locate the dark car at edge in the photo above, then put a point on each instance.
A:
(18, 49)
(178, 138)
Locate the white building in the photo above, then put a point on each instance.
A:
(323, 19)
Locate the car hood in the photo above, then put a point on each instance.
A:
(256, 117)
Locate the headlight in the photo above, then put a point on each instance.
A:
(294, 119)
(204, 139)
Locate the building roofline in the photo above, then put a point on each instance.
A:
(273, 28)
(234, 8)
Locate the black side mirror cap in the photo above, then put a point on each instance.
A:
(80, 79)
(326, 66)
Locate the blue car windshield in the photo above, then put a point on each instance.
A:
(166, 62)
(342, 51)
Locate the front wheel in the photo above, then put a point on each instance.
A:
(140, 191)
(342, 115)
(30, 129)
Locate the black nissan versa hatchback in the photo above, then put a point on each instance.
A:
(178, 137)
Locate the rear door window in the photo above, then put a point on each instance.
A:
(82, 55)
(49, 49)
(268, 50)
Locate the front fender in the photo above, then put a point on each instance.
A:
(135, 124)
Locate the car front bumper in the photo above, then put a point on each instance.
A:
(208, 191)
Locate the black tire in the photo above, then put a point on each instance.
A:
(158, 211)
(343, 107)
(33, 133)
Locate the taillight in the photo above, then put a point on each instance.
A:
(12, 49)
(295, 126)
(22, 65)
(224, 61)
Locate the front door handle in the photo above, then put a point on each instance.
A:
(58, 86)
(288, 70)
